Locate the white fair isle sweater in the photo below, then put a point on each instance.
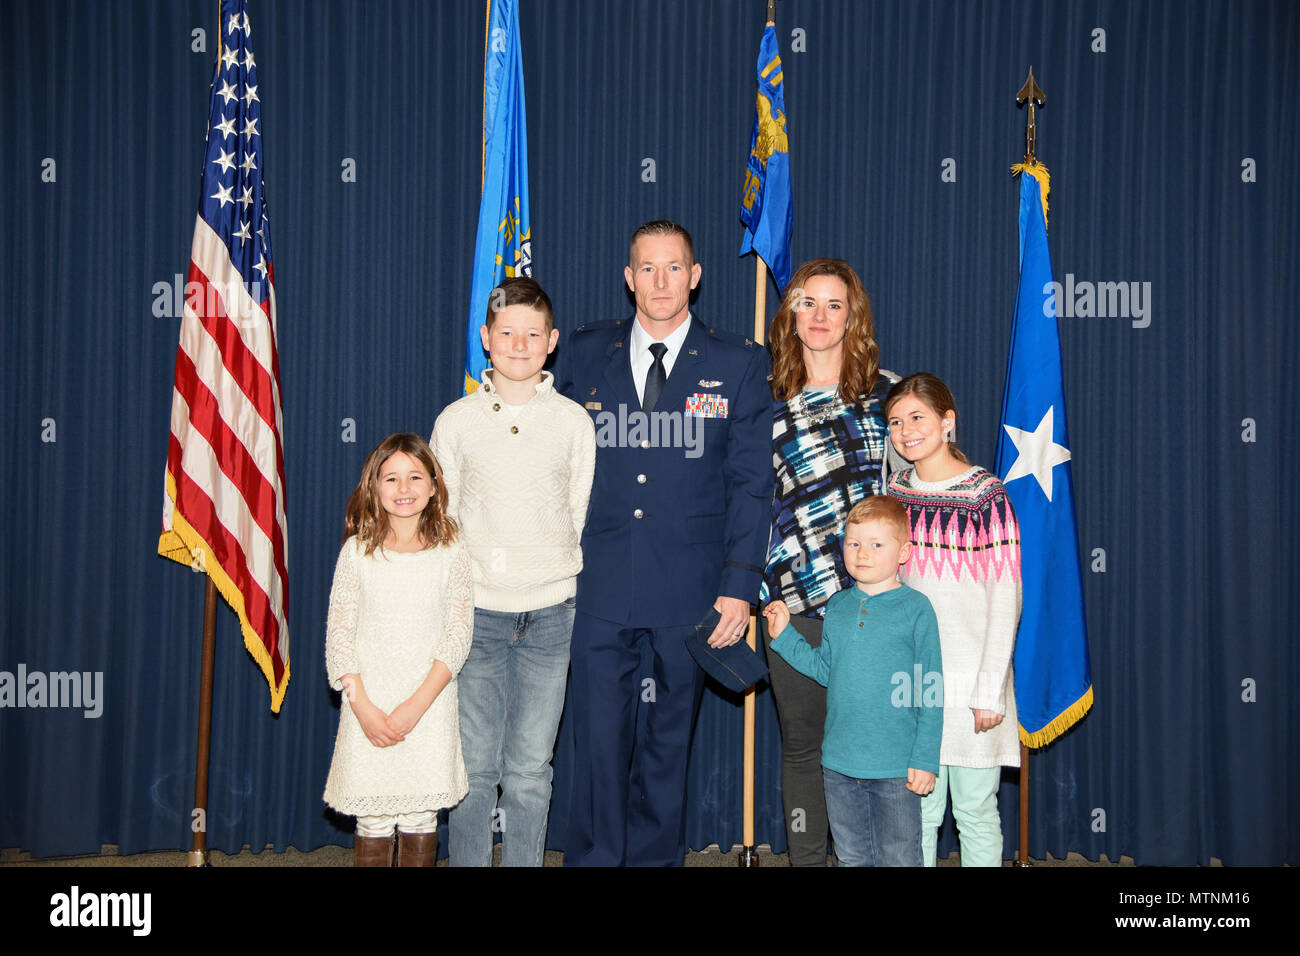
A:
(966, 560)
(391, 616)
(518, 479)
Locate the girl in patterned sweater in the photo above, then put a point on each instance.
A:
(966, 560)
(401, 620)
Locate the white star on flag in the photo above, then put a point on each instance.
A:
(223, 195)
(226, 161)
(1036, 453)
(227, 92)
(226, 126)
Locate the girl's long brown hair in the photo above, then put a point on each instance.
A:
(861, 363)
(366, 517)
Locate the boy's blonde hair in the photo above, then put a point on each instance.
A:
(882, 508)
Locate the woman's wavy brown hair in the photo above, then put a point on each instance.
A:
(861, 363)
(366, 517)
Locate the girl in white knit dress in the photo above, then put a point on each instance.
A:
(401, 619)
(966, 560)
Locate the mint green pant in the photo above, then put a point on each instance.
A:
(974, 807)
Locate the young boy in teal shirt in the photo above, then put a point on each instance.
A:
(879, 661)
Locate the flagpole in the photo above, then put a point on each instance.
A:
(1032, 95)
(198, 855)
(487, 29)
(748, 852)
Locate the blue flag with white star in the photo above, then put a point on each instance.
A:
(767, 205)
(1053, 676)
(503, 248)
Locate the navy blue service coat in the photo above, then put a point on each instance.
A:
(681, 503)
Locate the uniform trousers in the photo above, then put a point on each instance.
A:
(634, 695)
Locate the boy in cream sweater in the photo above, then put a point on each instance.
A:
(517, 458)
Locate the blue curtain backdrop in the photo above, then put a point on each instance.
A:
(1170, 131)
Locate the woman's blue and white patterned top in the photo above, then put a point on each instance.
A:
(828, 456)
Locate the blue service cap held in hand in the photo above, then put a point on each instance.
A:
(736, 667)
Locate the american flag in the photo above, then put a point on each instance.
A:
(224, 509)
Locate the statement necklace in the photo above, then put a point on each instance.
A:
(820, 417)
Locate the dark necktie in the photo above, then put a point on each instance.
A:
(655, 378)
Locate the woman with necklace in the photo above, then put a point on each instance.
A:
(829, 448)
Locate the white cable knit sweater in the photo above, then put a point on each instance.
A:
(518, 484)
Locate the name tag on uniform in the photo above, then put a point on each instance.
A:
(593, 406)
(706, 405)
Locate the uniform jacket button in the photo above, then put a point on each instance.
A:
(640, 479)
(638, 513)
(514, 429)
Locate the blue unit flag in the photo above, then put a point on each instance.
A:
(767, 205)
(503, 248)
(1052, 673)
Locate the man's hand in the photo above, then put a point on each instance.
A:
(986, 720)
(734, 623)
(778, 616)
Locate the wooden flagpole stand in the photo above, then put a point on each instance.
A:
(748, 852)
(1033, 96)
(198, 855)
(1022, 849)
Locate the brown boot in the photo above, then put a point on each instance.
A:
(416, 849)
(372, 851)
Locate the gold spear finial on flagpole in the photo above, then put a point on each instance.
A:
(1031, 94)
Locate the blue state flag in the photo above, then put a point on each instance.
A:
(1053, 677)
(503, 248)
(767, 205)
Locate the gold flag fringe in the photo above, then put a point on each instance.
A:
(183, 545)
(1063, 722)
(1039, 172)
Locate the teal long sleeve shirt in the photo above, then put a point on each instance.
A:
(880, 663)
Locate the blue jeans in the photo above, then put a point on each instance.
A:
(873, 822)
(511, 696)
